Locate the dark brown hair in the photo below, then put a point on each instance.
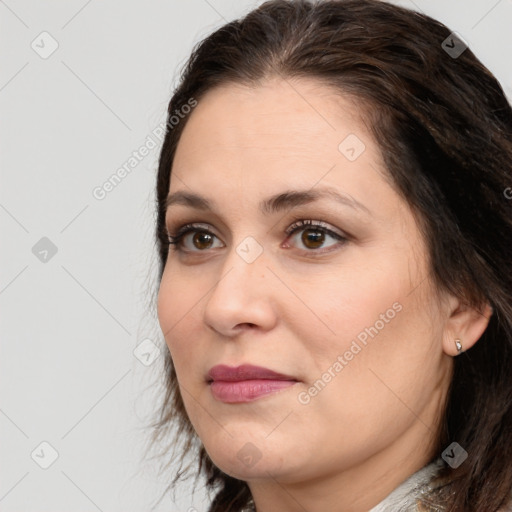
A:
(444, 127)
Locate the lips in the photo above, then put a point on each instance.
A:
(245, 383)
(244, 372)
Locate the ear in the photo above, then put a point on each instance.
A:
(465, 324)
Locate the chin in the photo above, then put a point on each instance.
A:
(242, 472)
(248, 460)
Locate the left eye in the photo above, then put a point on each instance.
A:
(313, 235)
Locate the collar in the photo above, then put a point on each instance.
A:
(406, 496)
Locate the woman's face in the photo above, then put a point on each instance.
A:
(343, 305)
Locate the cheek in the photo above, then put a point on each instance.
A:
(177, 309)
(177, 314)
(374, 318)
(373, 394)
(166, 307)
(350, 303)
(384, 355)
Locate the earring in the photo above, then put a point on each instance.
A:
(458, 344)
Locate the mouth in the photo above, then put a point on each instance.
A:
(245, 383)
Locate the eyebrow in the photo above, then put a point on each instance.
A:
(276, 203)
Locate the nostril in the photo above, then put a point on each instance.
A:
(247, 326)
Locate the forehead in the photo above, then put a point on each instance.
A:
(283, 121)
(275, 136)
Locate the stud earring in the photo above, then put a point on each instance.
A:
(458, 344)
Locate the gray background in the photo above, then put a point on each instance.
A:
(70, 321)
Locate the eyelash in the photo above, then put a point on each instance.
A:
(175, 240)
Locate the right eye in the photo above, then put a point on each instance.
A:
(202, 238)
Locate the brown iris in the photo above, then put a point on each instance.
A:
(313, 236)
(200, 238)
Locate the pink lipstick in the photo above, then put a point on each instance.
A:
(245, 383)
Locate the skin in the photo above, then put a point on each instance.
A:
(295, 309)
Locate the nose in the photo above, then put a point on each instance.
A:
(241, 297)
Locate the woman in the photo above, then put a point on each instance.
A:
(334, 236)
